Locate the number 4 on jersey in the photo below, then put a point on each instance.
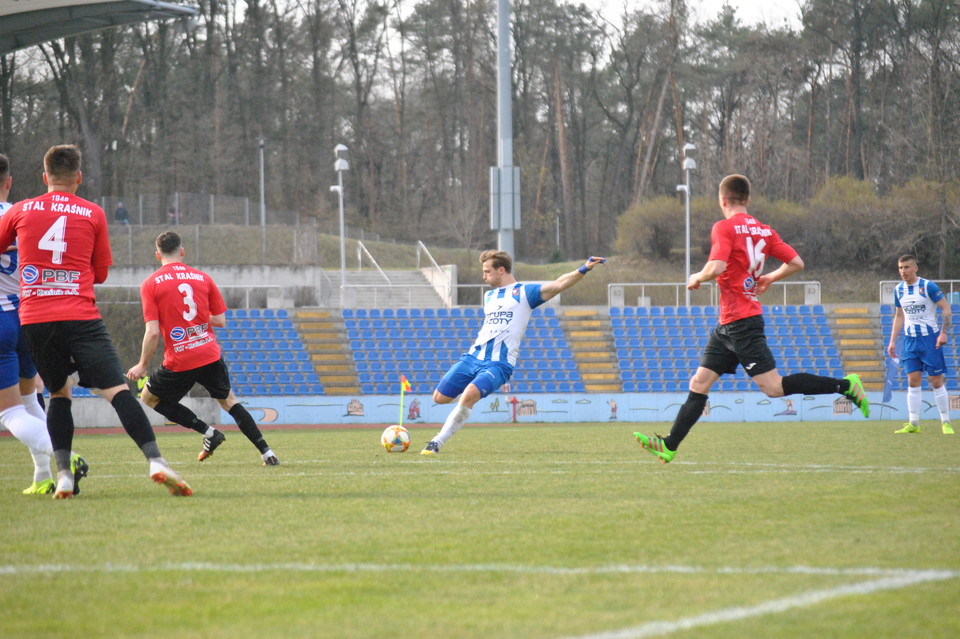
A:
(52, 240)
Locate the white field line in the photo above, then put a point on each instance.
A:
(897, 574)
(802, 600)
(882, 579)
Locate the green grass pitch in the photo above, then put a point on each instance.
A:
(548, 531)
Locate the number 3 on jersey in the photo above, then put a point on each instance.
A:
(52, 240)
(188, 301)
(757, 256)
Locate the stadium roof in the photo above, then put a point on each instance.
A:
(27, 22)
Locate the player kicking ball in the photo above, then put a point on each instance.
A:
(489, 363)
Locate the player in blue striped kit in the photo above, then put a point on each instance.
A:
(916, 301)
(488, 364)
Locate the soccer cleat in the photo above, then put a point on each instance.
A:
(44, 487)
(432, 448)
(908, 428)
(655, 446)
(857, 395)
(64, 487)
(210, 444)
(79, 467)
(271, 460)
(165, 476)
(947, 428)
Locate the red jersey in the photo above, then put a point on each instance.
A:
(182, 299)
(744, 244)
(62, 241)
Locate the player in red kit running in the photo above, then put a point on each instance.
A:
(740, 245)
(183, 304)
(64, 250)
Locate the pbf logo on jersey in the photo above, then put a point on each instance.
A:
(178, 333)
(30, 274)
(748, 283)
(516, 293)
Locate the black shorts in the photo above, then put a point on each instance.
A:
(740, 342)
(83, 346)
(173, 385)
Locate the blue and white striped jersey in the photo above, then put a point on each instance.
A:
(919, 304)
(9, 275)
(506, 312)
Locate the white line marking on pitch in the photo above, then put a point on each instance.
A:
(802, 600)
(885, 573)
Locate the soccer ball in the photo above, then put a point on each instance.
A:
(395, 439)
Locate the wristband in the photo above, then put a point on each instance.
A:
(583, 269)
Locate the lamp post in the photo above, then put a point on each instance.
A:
(340, 165)
(688, 165)
(263, 202)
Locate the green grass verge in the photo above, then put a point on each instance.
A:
(541, 531)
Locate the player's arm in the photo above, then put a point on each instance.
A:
(151, 337)
(710, 271)
(219, 320)
(946, 321)
(565, 281)
(786, 270)
(895, 332)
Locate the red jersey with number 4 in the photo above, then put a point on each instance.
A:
(62, 241)
(744, 244)
(182, 299)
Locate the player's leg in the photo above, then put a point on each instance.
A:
(717, 358)
(98, 366)
(216, 379)
(942, 399)
(451, 386)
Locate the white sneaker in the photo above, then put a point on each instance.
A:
(166, 476)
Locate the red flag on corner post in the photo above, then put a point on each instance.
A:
(404, 383)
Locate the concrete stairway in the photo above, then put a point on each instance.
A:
(857, 333)
(407, 289)
(324, 338)
(590, 339)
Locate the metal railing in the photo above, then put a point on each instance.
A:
(273, 295)
(361, 251)
(674, 293)
(950, 288)
(440, 279)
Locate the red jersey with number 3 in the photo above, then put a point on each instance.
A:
(744, 244)
(62, 240)
(182, 299)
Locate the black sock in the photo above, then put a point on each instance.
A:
(248, 427)
(807, 384)
(60, 427)
(134, 420)
(687, 416)
(180, 414)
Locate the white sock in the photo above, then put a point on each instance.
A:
(33, 406)
(41, 466)
(267, 454)
(943, 403)
(31, 432)
(457, 417)
(210, 431)
(913, 404)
